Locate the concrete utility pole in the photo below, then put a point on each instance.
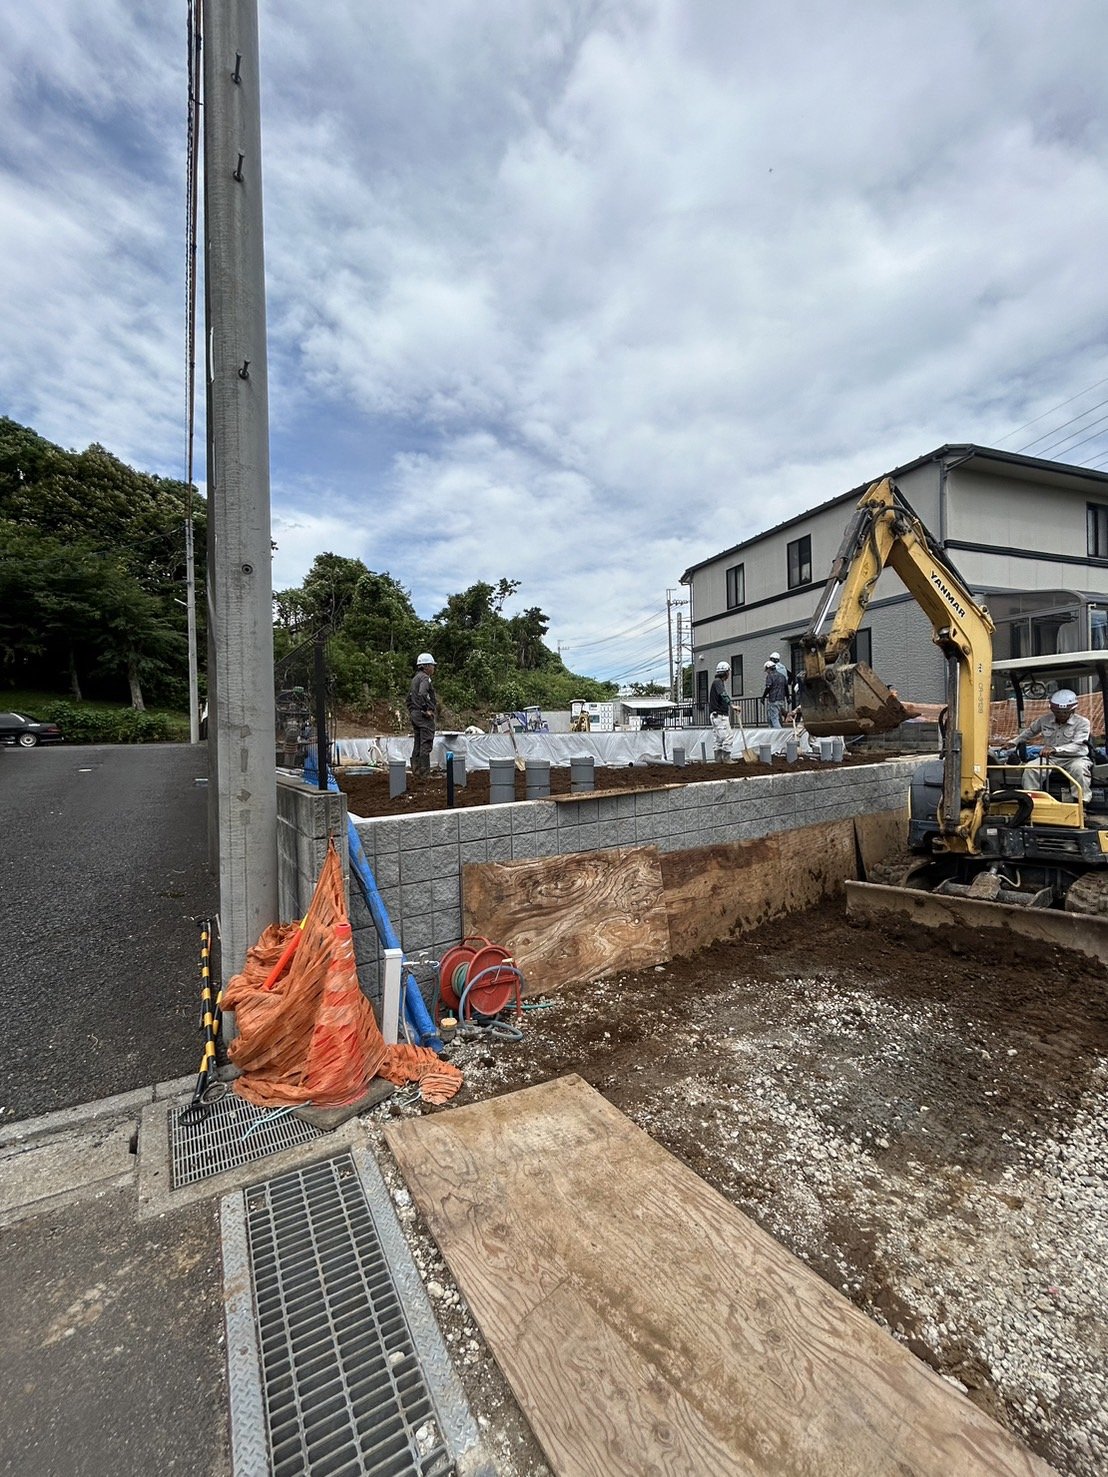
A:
(680, 664)
(241, 707)
(671, 601)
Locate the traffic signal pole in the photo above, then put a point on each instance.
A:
(241, 731)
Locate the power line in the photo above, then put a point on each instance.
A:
(1053, 408)
(1093, 437)
(637, 628)
(1072, 421)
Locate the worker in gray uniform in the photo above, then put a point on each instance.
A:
(422, 708)
(1064, 734)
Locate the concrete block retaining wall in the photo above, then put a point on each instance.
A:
(306, 817)
(417, 860)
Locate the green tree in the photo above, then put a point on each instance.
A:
(93, 551)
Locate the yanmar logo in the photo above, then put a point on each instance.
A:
(948, 595)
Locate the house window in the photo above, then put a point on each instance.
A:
(800, 561)
(736, 586)
(861, 648)
(736, 675)
(1096, 517)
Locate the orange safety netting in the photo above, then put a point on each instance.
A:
(306, 1031)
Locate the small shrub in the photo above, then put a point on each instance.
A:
(92, 725)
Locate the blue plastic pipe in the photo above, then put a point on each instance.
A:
(419, 1019)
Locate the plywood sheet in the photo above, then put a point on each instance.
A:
(713, 891)
(646, 1325)
(570, 919)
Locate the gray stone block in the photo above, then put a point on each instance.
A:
(588, 812)
(498, 820)
(607, 808)
(544, 843)
(445, 829)
(625, 832)
(471, 824)
(607, 834)
(473, 851)
(523, 846)
(415, 898)
(415, 865)
(386, 835)
(446, 929)
(446, 892)
(444, 860)
(417, 933)
(587, 837)
(386, 869)
(499, 849)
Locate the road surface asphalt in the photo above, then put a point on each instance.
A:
(103, 869)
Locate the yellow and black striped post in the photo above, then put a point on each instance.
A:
(211, 1015)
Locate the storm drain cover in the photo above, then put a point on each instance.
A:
(336, 1365)
(231, 1133)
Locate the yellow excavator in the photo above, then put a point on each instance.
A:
(972, 831)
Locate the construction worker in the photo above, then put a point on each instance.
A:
(719, 707)
(776, 694)
(422, 708)
(1064, 735)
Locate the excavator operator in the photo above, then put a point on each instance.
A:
(1065, 736)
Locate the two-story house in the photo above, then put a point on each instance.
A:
(1029, 537)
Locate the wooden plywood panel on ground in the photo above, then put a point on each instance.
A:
(646, 1325)
(568, 919)
(713, 891)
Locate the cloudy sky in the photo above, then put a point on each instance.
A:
(576, 292)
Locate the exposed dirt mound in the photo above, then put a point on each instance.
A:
(368, 794)
(920, 1115)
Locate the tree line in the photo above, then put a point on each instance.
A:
(92, 567)
(92, 584)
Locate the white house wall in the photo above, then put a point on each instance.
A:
(1026, 528)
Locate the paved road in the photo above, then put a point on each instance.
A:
(103, 868)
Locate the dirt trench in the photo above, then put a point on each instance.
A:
(919, 1116)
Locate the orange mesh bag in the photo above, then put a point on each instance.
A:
(310, 1035)
(438, 1081)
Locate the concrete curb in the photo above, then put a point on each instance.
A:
(123, 1104)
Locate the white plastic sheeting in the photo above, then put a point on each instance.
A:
(610, 750)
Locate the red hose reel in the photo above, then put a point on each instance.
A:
(495, 978)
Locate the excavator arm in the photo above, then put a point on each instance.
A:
(844, 697)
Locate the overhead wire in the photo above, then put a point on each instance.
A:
(1061, 406)
(639, 628)
(1054, 431)
(1057, 445)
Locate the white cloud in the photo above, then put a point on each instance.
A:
(593, 287)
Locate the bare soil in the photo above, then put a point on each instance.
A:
(368, 794)
(921, 1117)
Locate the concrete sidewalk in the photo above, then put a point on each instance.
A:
(111, 1343)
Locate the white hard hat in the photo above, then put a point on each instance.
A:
(1063, 698)
(770, 664)
(722, 667)
(425, 659)
(774, 656)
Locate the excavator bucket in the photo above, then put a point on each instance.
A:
(849, 698)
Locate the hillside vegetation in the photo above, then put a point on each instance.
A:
(92, 586)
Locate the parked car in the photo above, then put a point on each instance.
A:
(22, 729)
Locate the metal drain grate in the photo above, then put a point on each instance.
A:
(339, 1360)
(231, 1133)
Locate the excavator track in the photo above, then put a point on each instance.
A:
(1089, 895)
(899, 870)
